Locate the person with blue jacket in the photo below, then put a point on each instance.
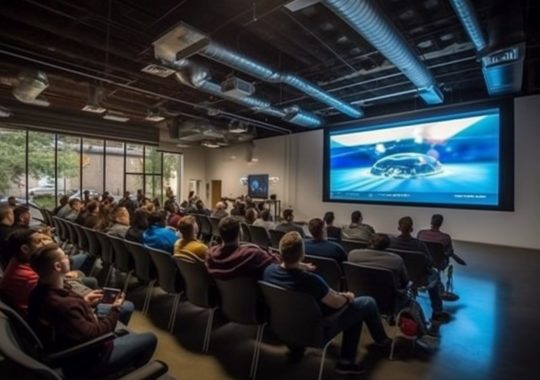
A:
(157, 235)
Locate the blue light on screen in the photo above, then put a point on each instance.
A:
(451, 159)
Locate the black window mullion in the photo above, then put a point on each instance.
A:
(26, 166)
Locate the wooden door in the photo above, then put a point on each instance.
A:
(216, 193)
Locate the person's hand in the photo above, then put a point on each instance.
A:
(94, 297)
(72, 275)
(308, 267)
(348, 295)
(119, 300)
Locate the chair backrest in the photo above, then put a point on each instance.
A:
(122, 259)
(81, 236)
(106, 247)
(436, 250)
(72, 234)
(168, 275)
(246, 233)
(295, 317)
(94, 247)
(416, 264)
(241, 300)
(200, 287)
(215, 226)
(144, 271)
(259, 236)
(378, 283)
(60, 228)
(349, 245)
(275, 237)
(328, 269)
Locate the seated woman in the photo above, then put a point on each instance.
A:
(139, 225)
(188, 246)
(120, 223)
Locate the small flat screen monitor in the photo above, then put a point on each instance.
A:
(258, 186)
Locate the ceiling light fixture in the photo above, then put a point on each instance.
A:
(153, 115)
(210, 144)
(116, 116)
(4, 112)
(95, 96)
(236, 126)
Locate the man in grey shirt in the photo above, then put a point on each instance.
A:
(357, 230)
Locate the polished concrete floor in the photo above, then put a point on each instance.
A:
(493, 334)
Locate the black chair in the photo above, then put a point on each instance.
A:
(169, 279)
(107, 254)
(72, 236)
(36, 365)
(81, 237)
(144, 270)
(200, 291)
(275, 237)
(94, 247)
(123, 262)
(328, 269)
(61, 231)
(349, 245)
(242, 302)
(416, 264)
(215, 230)
(297, 320)
(378, 283)
(259, 236)
(246, 233)
(205, 227)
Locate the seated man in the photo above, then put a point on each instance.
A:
(289, 274)
(332, 231)
(64, 319)
(219, 212)
(188, 243)
(75, 206)
(7, 218)
(320, 246)
(157, 235)
(288, 225)
(265, 221)
(435, 235)
(22, 216)
(120, 223)
(406, 242)
(230, 259)
(357, 230)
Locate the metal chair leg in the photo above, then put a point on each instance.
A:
(108, 277)
(172, 318)
(257, 351)
(321, 367)
(208, 332)
(126, 282)
(148, 297)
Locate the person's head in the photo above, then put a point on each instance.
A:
(379, 242)
(22, 215)
(155, 201)
(50, 262)
(140, 219)
(188, 227)
(105, 195)
(12, 201)
(251, 215)
(356, 217)
(121, 216)
(24, 242)
(75, 204)
(405, 225)
(86, 194)
(317, 229)
(229, 229)
(93, 208)
(265, 215)
(126, 194)
(6, 215)
(291, 248)
(288, 214)
(156, 218)
(220, 206)
(328, 218)
(199, 204)
(64, 200)
(437, 221)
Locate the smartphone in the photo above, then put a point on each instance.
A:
(110, 295)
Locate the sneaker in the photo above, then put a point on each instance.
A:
(433, 329)
(449, 296)
(346, 368)
(428, 343)
(440, 316)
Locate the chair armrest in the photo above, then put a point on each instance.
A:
(80, 348)
(152, 370)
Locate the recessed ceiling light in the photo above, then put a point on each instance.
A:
(4, 112)
(210, 144)
(155, 118)
(116, 116)
(93, 109)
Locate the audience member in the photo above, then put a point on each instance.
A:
(12, 201)
(140, 197)
(320, 246)
(230, 259)
(332, 231)
(63, 202)
(139, 225)
(200, 209)
(405, 241)
(264, 220)
(22, 217)
(357, 230)
(435, 235)
(287, 225)
(157, 235)
(128, 203)
(188, 246)
(219, 212)
(120, 223)
(64, 319)
(74, 209)
(7, 218)
(289, 274)
(92, 216)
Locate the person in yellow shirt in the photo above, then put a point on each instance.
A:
(188, 246)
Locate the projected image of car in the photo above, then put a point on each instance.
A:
(406, 165)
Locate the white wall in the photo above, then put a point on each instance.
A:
(298, 160)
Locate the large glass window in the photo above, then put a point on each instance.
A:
(114, 168)
(69, 163)
(171, 172)
(134, 158)
(41, 169)
(93, 165)
(12, 164)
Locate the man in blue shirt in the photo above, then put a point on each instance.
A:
(157, 235)
(290, 275)
(320, 246)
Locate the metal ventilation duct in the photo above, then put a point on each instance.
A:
(183, 41)
(31, 85)
(374, 26)
(198, 77)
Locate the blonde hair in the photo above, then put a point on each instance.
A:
(291, 247)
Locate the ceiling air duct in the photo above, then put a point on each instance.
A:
(365, 17)
(31, 83)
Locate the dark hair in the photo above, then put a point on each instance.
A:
(316, 228)
(92, 206)
(43, 258)
(405, 224)
(356, 216)
(20, 237)
(140, 219)
(379, 242)
(186, 226)
(20, 210)
(73, 201)
(157, 217)
(265, 215)
(288, 214)
(291, 247)
(4, 211)
(329, 217)
(64, 200)
(229, 229)
(437, 220)
(251, 215)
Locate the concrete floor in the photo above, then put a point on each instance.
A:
(492, 334)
